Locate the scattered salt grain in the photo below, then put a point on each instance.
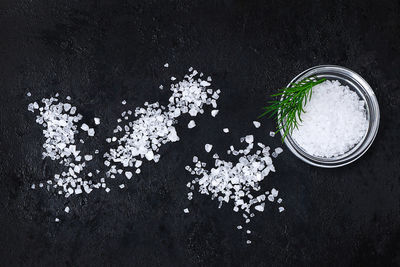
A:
(191, 124)
(128, 175)
(226, 130)
(208, 147)
(272, 134)
(66, 209)
(96, 121)
(91, 132)
(214, 112)
(281, 209)
(166, 65)
(85, 127)
(186, 210)
(256, 124)
(57, 220)
(121, 186)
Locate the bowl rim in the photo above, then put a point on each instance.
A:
(370, 139)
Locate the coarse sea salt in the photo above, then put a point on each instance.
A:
(154, 124)
(334, 121)
(237, 182)
(60, 126)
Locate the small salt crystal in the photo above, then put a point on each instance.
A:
(208, 147)
(121, 186)
(166, 65)
(278, 150)
(186, 210)
(88, 157)
(96, 121)
(57, 220)
(226, 130)
(281, 209)
(272, 134)
(91, 132)
(249, 139)
(123, 102)
(85, 127)
(66, 209)
(191, 124)
(28, 94)
(248, 241)
(214, 112)
(128, 175)
(173, 78)
(256, 124)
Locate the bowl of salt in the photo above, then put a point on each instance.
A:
(340, 120)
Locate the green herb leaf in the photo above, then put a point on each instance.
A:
(288, 110)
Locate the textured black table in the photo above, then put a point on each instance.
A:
(101, 52)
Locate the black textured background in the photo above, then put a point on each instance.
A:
(100, 52)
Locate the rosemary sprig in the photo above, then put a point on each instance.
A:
(288, 110)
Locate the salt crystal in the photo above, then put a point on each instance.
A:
(96, 121)
(186, 210)
(123, 102)
(166, 65)
(214, 112)
(88, 157)
(66, 209)
(249, 139)
(91, 132)
(85, 127)
(57, 220)
(226, 130)
(191, 124)
(272, 134)
(256, 124)
(121, 186)
(281, 209)
(208, 147)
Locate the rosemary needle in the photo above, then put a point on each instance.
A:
(287, 111)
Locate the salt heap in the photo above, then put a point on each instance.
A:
(334, 121)
(154, 123)
(237, 182)
(60, 125)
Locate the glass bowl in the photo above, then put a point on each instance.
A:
(357, 84)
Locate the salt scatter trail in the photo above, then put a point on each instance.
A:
(334, 121)
(60, 125)
(153, 124)
(237, 182)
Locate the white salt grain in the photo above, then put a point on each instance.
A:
(186, 210)
(214, 112)
(208, 147)
(256, 124)
(191, 124)
(226, 130)
(128, 175)
(96, 121)
(66, 209)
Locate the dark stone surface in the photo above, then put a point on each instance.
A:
(101, 52)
